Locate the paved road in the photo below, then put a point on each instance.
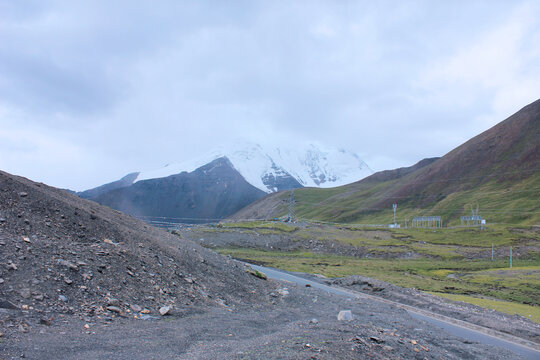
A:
(461, 329)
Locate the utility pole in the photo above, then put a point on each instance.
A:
(394, 206)
(291, 206)
(510, 257)
(491, 252)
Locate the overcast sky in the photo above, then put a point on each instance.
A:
(93, 90)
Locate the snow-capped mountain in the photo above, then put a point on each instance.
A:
(272, 169)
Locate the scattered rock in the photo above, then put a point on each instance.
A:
(136, 308)
(67, 264)
(25, 293)
(62, 298)
(114, 309)
(256, 273)
(283, 292)
(1, 281)
(164, 310)
(6, 304)
(45, 321)
(376, 339)
(113, 302)
(313, 321)
(345, 315)
(23, 194)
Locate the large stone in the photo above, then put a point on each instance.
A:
(115, 309)
(164, 310)
(345, 315)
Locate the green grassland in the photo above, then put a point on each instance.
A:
(513, 202)
(425, 275)
(530, 312)
(450, 261)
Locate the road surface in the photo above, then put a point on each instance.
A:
(452, 326)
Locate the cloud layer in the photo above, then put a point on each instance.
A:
(90, 91)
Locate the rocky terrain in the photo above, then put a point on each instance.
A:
(79, 280)
(61, 255)
(296, 323)
(511, 324)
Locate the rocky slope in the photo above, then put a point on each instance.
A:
(60, 254)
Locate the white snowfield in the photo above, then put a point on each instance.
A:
(311, 165)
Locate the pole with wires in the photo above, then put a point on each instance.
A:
(291, 206)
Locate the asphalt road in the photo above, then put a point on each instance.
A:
(462, 330)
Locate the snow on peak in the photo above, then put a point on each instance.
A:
(309, 165)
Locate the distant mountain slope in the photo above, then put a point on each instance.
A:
(498, 171)
(274, 169)
(213, 191)
(240, 174)
(123, 182)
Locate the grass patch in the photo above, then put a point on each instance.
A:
(530, 312)
(423, 274)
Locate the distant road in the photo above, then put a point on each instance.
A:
(452, 326)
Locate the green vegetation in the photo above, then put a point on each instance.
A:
(465, 277)
(511, 202)
(530, 312)
(451, 262)
(258, 225)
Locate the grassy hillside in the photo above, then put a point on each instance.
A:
(497, 171)
(498, 202)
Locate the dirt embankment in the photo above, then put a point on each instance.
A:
(62, 255)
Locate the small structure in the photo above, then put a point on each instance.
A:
(473, 220)
(427, 222)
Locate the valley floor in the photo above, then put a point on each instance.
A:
(453, 264)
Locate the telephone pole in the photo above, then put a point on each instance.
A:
(291, 207)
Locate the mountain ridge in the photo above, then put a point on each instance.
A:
(497, 171)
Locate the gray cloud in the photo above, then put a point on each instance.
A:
(105, 88)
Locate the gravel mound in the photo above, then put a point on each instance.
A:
(60, 254)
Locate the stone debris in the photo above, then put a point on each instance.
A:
(114, 309)
(283, 292)
(345, 315)
(164, 310)
(67, 264)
